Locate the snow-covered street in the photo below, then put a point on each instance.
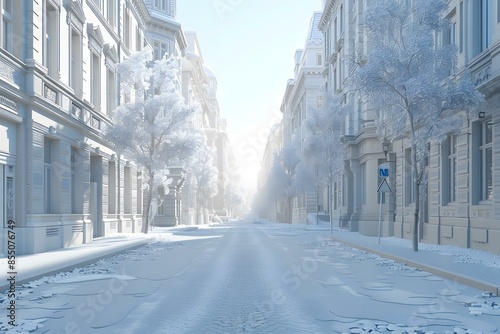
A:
(244, 277)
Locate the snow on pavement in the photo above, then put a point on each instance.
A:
(340, 289)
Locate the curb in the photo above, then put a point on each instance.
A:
(462, 279)
(77, 261)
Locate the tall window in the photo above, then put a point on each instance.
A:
(359, 116)
(111, 187)
(481, 26)
(95, 93)
(342, 72)
(111, 17)
(343, 193)
(461, 34)
(335, 86)
(48, 175)
(335, 32)
(74, 188)
(138, 39)
(126, 27)
(139, 192)
(51, 44)
(498, 11)
(341, 19)
(486, 160)
(7, 25)
(363, 183)
(110, 92)
(75, 79)
(319, 59)
(451, 168)
(127, 191)
(449, 34)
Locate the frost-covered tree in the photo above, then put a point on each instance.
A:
(203, 175)
(322, 149)
(282, 178)
(151, 129)
(276, 188)
(234, 197)
(413, 82)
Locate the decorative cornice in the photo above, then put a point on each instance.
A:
(74, 7)
(93, 31)
(141, 10)
(327, 12)
(110, 53)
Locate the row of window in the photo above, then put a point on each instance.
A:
(51, 51)
(53, 172)
(481, 25)
(482, 169)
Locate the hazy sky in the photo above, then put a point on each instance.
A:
(250, 45)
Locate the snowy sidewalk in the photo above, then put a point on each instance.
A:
(31, 267)
(471, 267)
(34, 266)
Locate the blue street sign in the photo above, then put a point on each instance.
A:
(383, 170)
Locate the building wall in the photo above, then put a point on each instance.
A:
(59, 89)
(199, 85)
(354, 197)
(462, 197)
(304, 94)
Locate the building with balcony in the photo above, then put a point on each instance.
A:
(61, 182)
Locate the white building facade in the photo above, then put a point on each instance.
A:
(304, 94)
(461, 205)
(354, 197)
(199, 85)
(60, 181)
(464, 171)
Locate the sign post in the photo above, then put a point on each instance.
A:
(383, 171)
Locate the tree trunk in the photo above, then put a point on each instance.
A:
(149, 197)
